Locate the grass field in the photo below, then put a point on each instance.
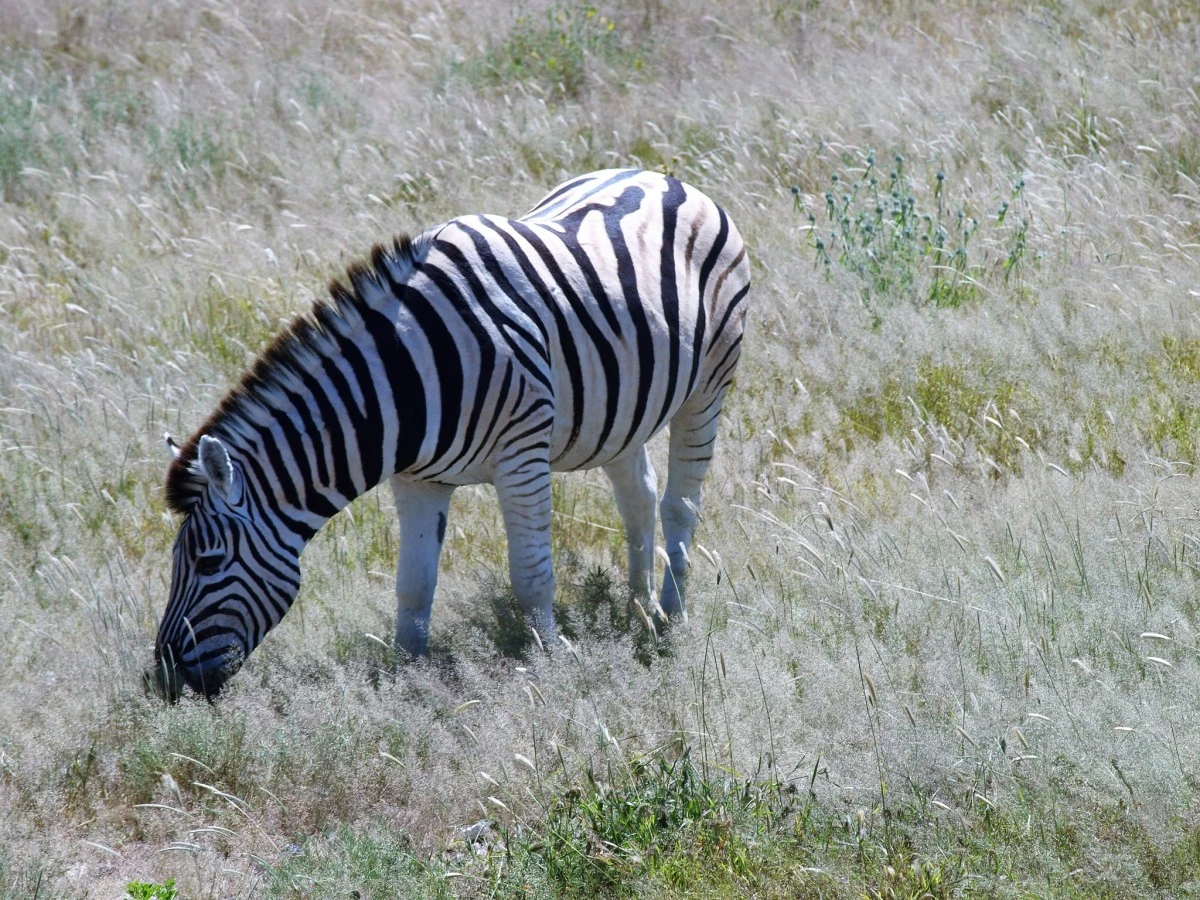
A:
(944, 636)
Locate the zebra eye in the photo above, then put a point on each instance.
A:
(209, 564)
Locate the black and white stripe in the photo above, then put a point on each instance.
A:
(484, 350)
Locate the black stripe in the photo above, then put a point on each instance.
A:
(269, 513)
(674, 198)
(560, 191)
(716, 401)
(734, 351)
(485, 339)
(729, 310)
(533, 407)
(571, 225)
(244, 549)
(571, 185)
(566, 340)
(503, 439)
(331, 422)
(505, 387)
(604, 350)
(407, 388)
(627, 275)
(446, 357)
(300, 409)
(343, 397)
(318, 398)
(520, 451)
(710, 261)
(277, 465)
(499, 275)
(368, 425)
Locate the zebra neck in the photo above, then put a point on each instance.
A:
(311, 452)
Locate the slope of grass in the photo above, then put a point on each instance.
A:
(944, 616)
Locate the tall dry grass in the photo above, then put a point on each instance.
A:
(947, 583)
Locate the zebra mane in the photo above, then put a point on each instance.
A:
(298, 349)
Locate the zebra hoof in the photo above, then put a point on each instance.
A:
(666, 620)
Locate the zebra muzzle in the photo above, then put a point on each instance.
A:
(167, 677)
(163, 680)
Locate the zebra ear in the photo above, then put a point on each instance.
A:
(215, 464)
(172, 446)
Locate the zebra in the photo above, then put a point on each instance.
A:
(483, 350)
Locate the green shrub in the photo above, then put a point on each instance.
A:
(379, 862)
(144, 890)
(592, 605)
(906, 242)
(554, 52)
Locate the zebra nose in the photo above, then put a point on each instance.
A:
(166, 678)
(163, 679)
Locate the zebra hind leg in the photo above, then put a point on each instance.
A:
(635, 487)
(693, 439)
(525, 503)
(422, 508)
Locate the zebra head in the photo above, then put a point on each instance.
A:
(230, 580)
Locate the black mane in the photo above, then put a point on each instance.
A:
(309, 337)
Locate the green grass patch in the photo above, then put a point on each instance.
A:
(231, 329)
(590, 603)
(665, 825)
(52, 122)
(665, 828)
(972, 403)
(49, 121)
(32, 136)
(1170, 420)
(22, 504)
(555, 51)
(198, 743)
(377, 862)
(19, 147)
(1176, 165)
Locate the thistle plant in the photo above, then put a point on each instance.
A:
(902, 241)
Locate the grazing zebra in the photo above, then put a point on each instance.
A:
(484, 350)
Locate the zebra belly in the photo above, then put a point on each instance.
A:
(583, 430)
(614, 418)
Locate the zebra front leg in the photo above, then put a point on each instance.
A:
(693, 438)
(422, 508)
(524, 493)
(635, 487)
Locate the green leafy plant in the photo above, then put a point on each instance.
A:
(589, 605)
(595, 604)
(904, 242)
(149, 890)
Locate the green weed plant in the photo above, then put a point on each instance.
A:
(149, 890)
(905, 241)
